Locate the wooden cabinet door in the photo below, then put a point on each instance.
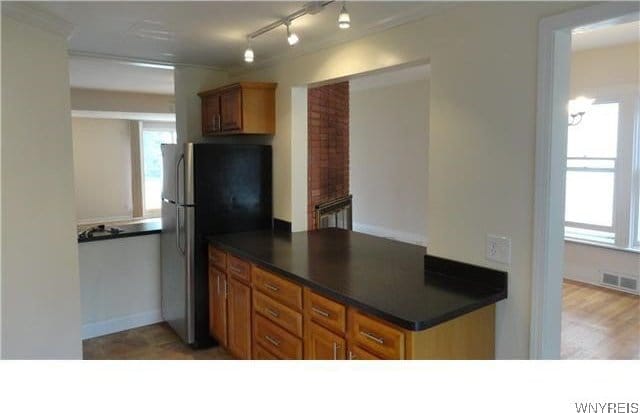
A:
(231, 109)
(218, 305)
(324, 345)
(239, 317)
(210, 114)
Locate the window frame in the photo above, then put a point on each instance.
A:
(151, 127)
(626, 198)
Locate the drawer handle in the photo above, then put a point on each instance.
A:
(352, 356)
(272, 340)
(319, 311)
(271, 287)
(273, 313)
(235, 269)
(370, 336)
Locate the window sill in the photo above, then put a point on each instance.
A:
(600, 245)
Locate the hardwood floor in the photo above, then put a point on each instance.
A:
(599, 323)
(153, 342)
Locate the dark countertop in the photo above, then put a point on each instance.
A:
(128, 230)
(389, 279)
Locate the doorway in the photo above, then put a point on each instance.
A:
(551, 165)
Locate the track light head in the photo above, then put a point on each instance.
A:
(292, 37)
(344, 20)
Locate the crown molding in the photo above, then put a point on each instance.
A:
(127, 59)
(37, 17)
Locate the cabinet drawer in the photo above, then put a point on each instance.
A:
(278, 288)
(239, 269)
(280, 314)
(218, 258)
(276, 340)
(375, 336)
(356, 353)
(260, 353)
(325, 312)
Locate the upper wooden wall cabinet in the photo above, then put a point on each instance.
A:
(240, 108)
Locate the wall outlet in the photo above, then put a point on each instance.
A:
(498, 249)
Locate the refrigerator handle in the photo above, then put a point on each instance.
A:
(178, 231)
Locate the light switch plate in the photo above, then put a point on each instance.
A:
(498, 249)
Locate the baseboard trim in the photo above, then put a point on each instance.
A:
(115, 325)
(390, 233)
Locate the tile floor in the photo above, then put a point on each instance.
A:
(153, 342)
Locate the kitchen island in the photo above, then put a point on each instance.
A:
(334, 293)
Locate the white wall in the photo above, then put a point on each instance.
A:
(592, 71)
(111, 101)
(40, 285)
(119, 284)
(481, 136)
(388, 143)
(102, 169)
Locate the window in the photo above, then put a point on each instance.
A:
(153, 135)
(600, 188)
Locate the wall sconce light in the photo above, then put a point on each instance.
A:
(577, 108)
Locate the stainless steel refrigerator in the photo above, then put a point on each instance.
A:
(207, 189)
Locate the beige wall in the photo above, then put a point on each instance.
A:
(40, 285)
(605, 67)
(388, 146)
(592, 71)
(481, 136)
(102, 169)
(119, 284)
(110, 101)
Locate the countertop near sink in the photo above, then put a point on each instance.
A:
(393, 280)
(151, 226)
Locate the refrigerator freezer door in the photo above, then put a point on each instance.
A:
(171, 155)
(176, 302)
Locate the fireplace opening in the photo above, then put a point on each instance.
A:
(336, 213)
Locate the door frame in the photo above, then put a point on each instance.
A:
(554, 53)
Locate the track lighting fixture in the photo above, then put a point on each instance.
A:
(248, 53)
(292, 37)
(344, 20)
(310, 8)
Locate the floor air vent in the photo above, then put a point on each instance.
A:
(618, 281)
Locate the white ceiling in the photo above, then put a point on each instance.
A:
(92, 73)
(606, 36)
(214, 33)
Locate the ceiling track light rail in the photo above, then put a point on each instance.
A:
(312, 7)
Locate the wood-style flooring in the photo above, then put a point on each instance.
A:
(599, 323)
(153, 342)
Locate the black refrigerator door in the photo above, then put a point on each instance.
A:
(232, 194)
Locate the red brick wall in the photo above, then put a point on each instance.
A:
(328, 163)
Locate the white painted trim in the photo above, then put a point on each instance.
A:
(102, 114)
(554, 50)
(37, 17)
(299, 158)
(403, 236)
(115, 325)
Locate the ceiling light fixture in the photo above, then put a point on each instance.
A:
(248, 53)
(577, 108)
(292, 38)
(311, 8)
(344, 20)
